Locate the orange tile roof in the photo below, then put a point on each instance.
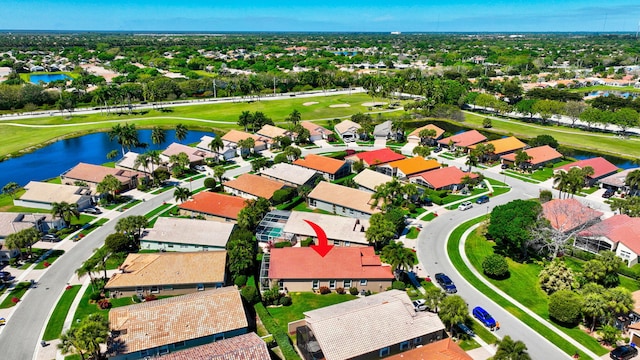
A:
(539, 154)
(255, 185)
(414, 165)
(464, 139)
(215, 204)
(505, 145)
(96, 173)
(416, 132)
(444, 349)
(567, 214)
(445, 176)
(339, 263)
(320, 163)
(376, 157)
(242, 347)
(233, 136)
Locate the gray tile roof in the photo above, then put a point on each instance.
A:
(190, 231)
(289, 173)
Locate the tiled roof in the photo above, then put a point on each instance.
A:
(600, 165)
(215, 204)
(345, 126)
(96, 173)
(636, 307)
(619, 229)
(234, 136)
(242, 347)
(315, 129)
(289, 173)
(162, 322)
(128, 162)
(13, 222)
(504, 145)
(375, 157)
(618, 179)
(416, 133)
(255, 185)
(339, 263)
(370, 179)
(568, 214)
(50, 193)
(335, 227)
(445, 176)
(414, 165)
(539, 154)
(445, 349)
(170, 268)
(271, 131)
(369, 323)
(320, 163)
(201, 232)
(194, 154)
(464, 139)
(343, 196)
(382, 129)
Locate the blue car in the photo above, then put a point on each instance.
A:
(446, 283)
(485, 318)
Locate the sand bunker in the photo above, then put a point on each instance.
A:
(310, 103)
(339, 105)
(370, 104)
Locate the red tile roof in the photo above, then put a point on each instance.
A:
(445, 176)
(444, 349)
(339, 263)
(375, 157)
(601, 167)
(539, 154)
(568, 214)
(320, 163)
(255, 185)
(619, 229)
(242, 347)
(464, 139)
(215, 204)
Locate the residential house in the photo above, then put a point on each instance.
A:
(619, 233)
(462, 140)
(271, 132)
(342, 200)
(330, 168)
(375, 157)
(11, 223)
(446, 178)
(340, 230)
(233, 137)
(251, 186)
(227, 152)
(316, 132)
(414, 136)
(42, 195)
(503, 146)
(445, 349)
(196, 156)
(290, 175)
(163, 326)
(213, 206)
(540, 156)
(168, 273)
(368, 179)
(271, 227)
(128, 162)
(242, 347)
(407, 167)
(92, 175)
(303, 269)
(634, 316)
(348, 130)
(322, 332)
(569, 215)
(601, 169)
(168, 234)
(617, 181)
(383, 130)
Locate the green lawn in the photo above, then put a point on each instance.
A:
(56, 321)
(303, 207)
(304, 301)
(85, 308)
(157, 210)
(18, 291)
(413, 233)
(55, 254)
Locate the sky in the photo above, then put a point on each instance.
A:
(325, 15)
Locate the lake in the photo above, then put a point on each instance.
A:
(47, 78)
(52, 160)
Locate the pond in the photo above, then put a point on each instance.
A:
(52, 160)
(47, 78)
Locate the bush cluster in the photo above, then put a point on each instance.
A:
(240, 280)
(324, 290)
(104, 304)
(340, 291)
(250, 294)
(398, 285)
(353, 290)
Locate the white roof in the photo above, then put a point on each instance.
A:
(369, 323)
(336, 227)
(128, 161)
(346, 125)
(289, 173)
(190, 231)
(370, 179)
(50, 193)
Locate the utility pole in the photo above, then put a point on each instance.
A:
(214, 88)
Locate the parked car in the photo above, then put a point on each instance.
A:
(5, 275)
(200, 168)
(420, 305)
(485, 318)
(465, 206)
(437, 150)
(465, 329)
(92, 210)
(482, 199)
(607, 194)
(504, 166)
(623, 352)
(446, 283)
(50, 237)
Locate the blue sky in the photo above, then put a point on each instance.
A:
(327, 15)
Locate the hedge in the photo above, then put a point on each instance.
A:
(281, 337)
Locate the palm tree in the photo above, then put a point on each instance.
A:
(218, 173)
(11, 189)
(246, 145)
(102, 254)
(294, 118)
(472, 159)
(65, 211)
(453, 310)
(426, 136)
(87, 268)
(245, 119)
(126, 135)
(522, 159)
(109, 185)
(633, 181)
(399, 257)
(560, 181)
(71, 343)
(181, 132)
(216, 145)
(181, 194)
(434, 297)
(22, 239)
(142, 160)
(158, 135)
(594, 306)
(511, 350)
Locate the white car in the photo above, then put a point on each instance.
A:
(465, 206)
(420, 305)
(200, 168)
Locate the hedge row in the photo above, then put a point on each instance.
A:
(281, 337)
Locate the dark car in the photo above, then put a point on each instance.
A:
(50, 237)
(607, 194)
(437, 150)
(5, 275)
(465, 329)
(624, 352)
(485, 318)
(504, 166)
(446, 283)
(92, 210)
(482, 199)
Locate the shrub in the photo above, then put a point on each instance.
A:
(283, 195)
(282, 244)
(340, 291)
(15, 300)
(271, 296)
(495, 266)
(324, 290)
(545, 195)
(285, 301)
(306, 242)
(398, 285)
(104, 304)
(240, 280)
(565, 306)
(150, 297)
(250, 294)
(46, 264)
(353, 290)
(210, 183)
(14, 262)
(95, 296)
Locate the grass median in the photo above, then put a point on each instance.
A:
(56, 321)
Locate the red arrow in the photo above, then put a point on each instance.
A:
(323, 246)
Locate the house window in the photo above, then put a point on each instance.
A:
(316, 284)
(154, 290)
(170, 246)
(179, 344)
(281, 284)
(139, 289)
(144, 353)
(404, 345)
(385, 352)
(336, 242)
(363, 282)
(347, 243)
(332, 284)
(167, 287)
(200, 287)
(164, 350)
(417, 340)
(347, 284)
(218, 337)
(312, 202)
